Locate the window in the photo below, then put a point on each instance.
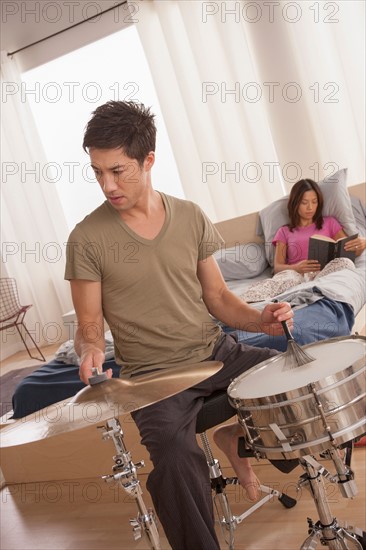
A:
(63, 93)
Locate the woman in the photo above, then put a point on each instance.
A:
(305, 208)
(291, 264)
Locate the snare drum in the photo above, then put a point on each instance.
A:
(291, 412)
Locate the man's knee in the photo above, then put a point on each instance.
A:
(168, 445)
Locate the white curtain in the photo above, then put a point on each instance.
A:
(257, 95)
(33, 226)
(254, 95)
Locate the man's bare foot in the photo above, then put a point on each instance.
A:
(226, 438)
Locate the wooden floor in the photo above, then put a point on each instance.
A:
(22, 360)
(89, 514)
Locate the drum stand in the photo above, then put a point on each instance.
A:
(327, 530)
(227, 520)
(125, 472)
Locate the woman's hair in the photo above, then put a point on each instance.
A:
(295, 198)
(122, 124)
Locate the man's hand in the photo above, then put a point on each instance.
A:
(273, 314)
(91, 357)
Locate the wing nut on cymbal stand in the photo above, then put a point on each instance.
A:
(97, 377)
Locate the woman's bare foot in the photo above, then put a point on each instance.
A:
(226, 438)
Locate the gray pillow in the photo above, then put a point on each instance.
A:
(359, 212)
(337, 203)
(243, 261)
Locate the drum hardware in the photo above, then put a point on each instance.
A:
(125, 473)
(156, 386)
(227, 520)
(326, 530)
(218, 484)
(296, 438)
(319, 406)
(124, 470)
(97, 377)
(107, 399)
(281, 438)
(306, 415)
(145, 524)
(345, 476)
(248, 436)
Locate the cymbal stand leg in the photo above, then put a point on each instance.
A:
(326, 530)
(125, 473)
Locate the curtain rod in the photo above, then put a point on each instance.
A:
(67, 28)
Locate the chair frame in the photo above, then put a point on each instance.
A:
(15, 313)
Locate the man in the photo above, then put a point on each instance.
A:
(143, 261)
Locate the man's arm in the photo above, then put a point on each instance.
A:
(89, 338)
(225, 306)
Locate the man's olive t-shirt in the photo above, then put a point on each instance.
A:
(151, 295)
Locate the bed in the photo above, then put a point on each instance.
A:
(329, 307)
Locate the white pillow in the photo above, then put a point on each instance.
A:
(243, 261)
(337, 203)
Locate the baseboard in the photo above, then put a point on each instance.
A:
(10, 349)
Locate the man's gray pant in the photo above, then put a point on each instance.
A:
(179, 484)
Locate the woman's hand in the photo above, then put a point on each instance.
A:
(306, 266)
(357, 245)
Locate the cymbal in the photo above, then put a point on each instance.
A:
(111, 398)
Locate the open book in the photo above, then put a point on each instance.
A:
(324, 249)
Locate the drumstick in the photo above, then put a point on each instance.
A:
(295, 356)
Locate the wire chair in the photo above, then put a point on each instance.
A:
(12, 313)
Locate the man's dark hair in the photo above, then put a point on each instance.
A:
(122, 124)
(295, 198)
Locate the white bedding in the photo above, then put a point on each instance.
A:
(343, 286)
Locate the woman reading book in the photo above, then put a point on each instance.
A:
(305, 209)
(292, 265)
